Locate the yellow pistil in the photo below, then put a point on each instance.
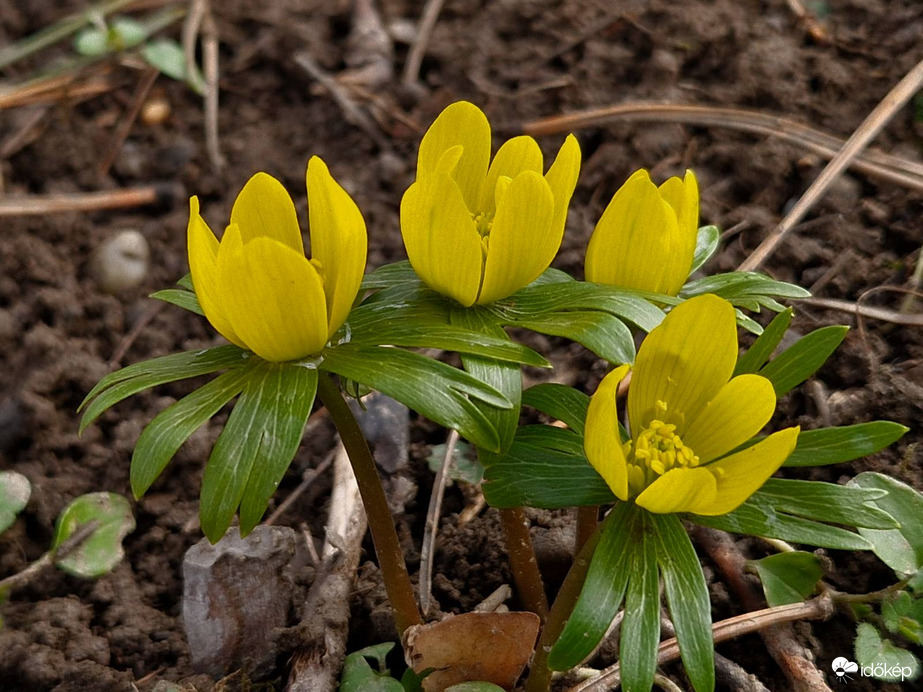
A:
(656, 450)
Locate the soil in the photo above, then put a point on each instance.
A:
(519, 60)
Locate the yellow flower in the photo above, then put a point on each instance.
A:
(685, 414)
(477, 233)
(645, 239)
(256, 286)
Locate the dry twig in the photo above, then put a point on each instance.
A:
(82, 201)
(864, 134)
(428, 549)
(424, 33)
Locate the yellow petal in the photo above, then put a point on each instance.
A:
(740, 475)
(265, 209)
(684, 362)
(631, 243)
(739, 411)
(274, 297)
(562, 179)
(515, 156)
(522, 242)
(460, 123)
(440, 236)
(203, 265)
(683, 197)
(679, 490)
(338, 241)
(601, 442)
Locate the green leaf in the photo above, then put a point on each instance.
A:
(167, 57)
(15, 490)
(181, 298)
(706, 242)
(358, 675)
(102, 549)
(289, 395)
(186, 282)
(600, 332)
(633, 306)
(121, 384)
(125, 32)
(883, 660)
(835, 445)
(603, 590)
(762, 348)
(902, 615)
(748, 290)
(545, 467)
(788, 577)
(687, 598)
(902, 548)
(389, 275)
(826, 502)
(641, 626)
(91, 42)
(559, 401)
(504, 377)
(465, 465)
(474, 687)
(433, 389)
(173, 426)
(798, 362)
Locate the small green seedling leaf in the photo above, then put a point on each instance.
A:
(14, 495)
(706, 242)
(125, 32)
(474, 687)
(904, 616)
(102, 549)
(880, 659)
(167, 56)
(465, 465)
(902, 548)
(92, 42)
(788, 577)
(359, 676)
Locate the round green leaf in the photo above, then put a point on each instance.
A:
(14, 494)
(102, 549)
(474, 687)
(882, 659)
(91, 42)
(789, 577)
(167, 56)
(902, 548)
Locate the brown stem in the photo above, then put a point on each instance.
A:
(539, 674)
(587, 521)
(387, 546)
(522, 561)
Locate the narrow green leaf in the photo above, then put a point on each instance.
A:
(834, 445)
(754, 520)
(545, 467)
(504, 377)
(902, 548)
(433, 389)
(390, 275)
(121, 384)
(600, 332)
(173, 426)
(633, 306)
(798, 362)
(559, 401)
(826, 502)
(102, 549)
(290, 394)
(788, 577)
(234, 452)
(762, 348)
(181, 298)
(706, 242)
(883, 660)
(641, 626)
(603, 590)
(687, 598)
(15, 491)
(745, 289)
(186, 282)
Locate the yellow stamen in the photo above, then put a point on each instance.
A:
(656, 450)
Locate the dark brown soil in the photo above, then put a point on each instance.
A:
(518, 61)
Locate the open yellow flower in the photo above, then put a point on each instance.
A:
(479, 233)
(646, 237)
(256, 286)
(685, 414)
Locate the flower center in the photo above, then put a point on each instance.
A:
(483, 221)
(656, 450)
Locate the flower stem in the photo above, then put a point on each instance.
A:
(539, 674)
(587, 521)
(381, 524)
(522, 561)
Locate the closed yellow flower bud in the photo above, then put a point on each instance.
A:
(256, 286)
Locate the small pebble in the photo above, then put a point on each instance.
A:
(121, 262)
(155, 111)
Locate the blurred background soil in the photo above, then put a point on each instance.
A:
(518, 60)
